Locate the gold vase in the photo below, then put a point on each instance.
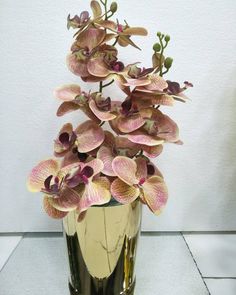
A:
(102, 249)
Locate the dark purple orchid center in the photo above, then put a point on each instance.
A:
(150, 169)
(51, 188)
(64, 138)
(117, 66)
(126, 106)
(174, 87)
(104, 104)
(81, 177)
(141, 181)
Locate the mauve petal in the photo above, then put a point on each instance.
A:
(123, 192)
(138, 31)
(91, 38)
(130, 123)
(98, 68)
(78, 68)
(138, 82)
(67, 107)
(141, 168)
(103, 116)
(89, 136)
(152, 151)
(96, 193)
(125, 168)
(157, 83)
(106, 156)
(155, 194)
(144, 139)
(51, 211)
(97, 166)
(67, 92)
(40, 173)
(67, 202)
(96, 8)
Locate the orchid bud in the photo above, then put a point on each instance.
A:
(168, 62)
(158, 34)
(157, 47)
(167, 38)
(113, 7)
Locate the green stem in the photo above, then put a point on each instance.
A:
(105, 5)
(161, 55)
(100, 86)
(108, 84)
(115, 42)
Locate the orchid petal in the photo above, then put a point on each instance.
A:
(105, 154)
(40, 173)
(98, 68)
(152, 151)
(96, 193)
(67, 202)
(51, 211)
(91, 38)
(123, 192)
(138, 31)
(144, 139)
(97, 166)
(157, 83)
(89, 136)
(67, 107)
(125, 168)
(78, 68)
(155, 194)
(103, 116)
(138, 82)
(141, 172)
(67, 92)
(130, 123)
(96, 8)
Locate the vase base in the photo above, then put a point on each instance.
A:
(100, 290)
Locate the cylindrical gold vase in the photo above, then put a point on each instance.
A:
(102, 250)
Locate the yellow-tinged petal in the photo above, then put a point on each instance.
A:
(144, 139)
(95, 194)
(96, 8)
(40, 173)
(125, 168)
(103, 116)
(105, 154)
(141, 168)
(67, 202)
(51, 211)
(138, 31)
(123, 192)
(155, 193)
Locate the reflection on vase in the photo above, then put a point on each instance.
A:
(102, 249)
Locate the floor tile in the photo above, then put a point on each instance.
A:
(221, 286)
(215, 254)
(7, 245)
(164, 266)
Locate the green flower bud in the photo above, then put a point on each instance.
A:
(168, 62)
(157, 47)
(158, 34)
(167, 38)
(113, 7)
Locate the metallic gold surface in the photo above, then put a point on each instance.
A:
(102, 249)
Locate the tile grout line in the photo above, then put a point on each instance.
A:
(13, 251)
(220, 278)
(195, 262)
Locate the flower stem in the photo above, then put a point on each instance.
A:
(100, 86)
(108, 84)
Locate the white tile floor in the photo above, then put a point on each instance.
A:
(192, 264)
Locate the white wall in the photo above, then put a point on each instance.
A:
(201, 175)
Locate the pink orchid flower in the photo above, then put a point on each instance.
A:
(65, 140)
(47, 177)
(136, 178)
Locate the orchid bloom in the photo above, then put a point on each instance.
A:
(65, 140)
(159, 128)
(137, 179)
(176, 91)
(112, 147)
(93, 189)
(47, 177)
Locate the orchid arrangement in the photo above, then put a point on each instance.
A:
(102, 167)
